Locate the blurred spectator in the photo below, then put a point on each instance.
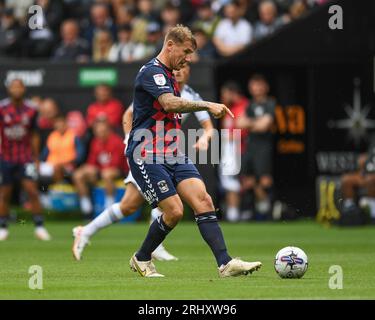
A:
(206, 19)
(76, 121)
(20, 8)
(105, 107)
(231, 96)
(101, 46)
(358, 188)
(170, 16)
(100, 20)
(117, 5)
(154, 41)
(269, 21)
(125, 15)
(62, 152)
(42, 39)
(105, 160)
(257, 161)
(72, 48)
(186, 8)
(145, 16)
(205, 47)
(125, 50)
(233, 33)
(37, 101)
(297, 9)
(11, 35)
(217, 5)
(250, 8)
(48, 110)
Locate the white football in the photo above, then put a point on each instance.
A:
(291, 262)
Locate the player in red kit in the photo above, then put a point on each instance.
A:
(19, 156)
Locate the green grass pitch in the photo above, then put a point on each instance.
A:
(104, 272)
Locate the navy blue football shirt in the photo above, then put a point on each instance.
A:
(153, 80)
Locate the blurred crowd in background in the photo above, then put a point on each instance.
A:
(83, 150)
(86, 149)
(131, 30)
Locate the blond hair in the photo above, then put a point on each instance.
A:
(180, 34)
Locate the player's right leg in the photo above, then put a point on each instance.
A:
(160, 253)
(130, 202)
(158, 189)
(193, 192)
(141, 262)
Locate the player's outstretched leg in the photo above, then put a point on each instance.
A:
(173, 211)
(130, 202)
(193, 191)
(160, 253)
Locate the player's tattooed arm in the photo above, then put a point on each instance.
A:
(171, 103)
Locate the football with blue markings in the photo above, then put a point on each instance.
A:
(291, 262)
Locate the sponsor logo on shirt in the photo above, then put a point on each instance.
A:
(16, 132)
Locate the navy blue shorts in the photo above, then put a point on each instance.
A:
(159, 181)
(12, 172)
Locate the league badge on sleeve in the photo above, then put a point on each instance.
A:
(160, 79)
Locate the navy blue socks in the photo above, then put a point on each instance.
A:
(155, 236)
(211, 233)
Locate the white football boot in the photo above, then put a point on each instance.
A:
(4, 233)
(41, 233)
(144, 268)
(237, 267)
(79, 243)
(161, 254)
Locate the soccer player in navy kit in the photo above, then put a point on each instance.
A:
(133, 196)
(163, 183)
(19, 154)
